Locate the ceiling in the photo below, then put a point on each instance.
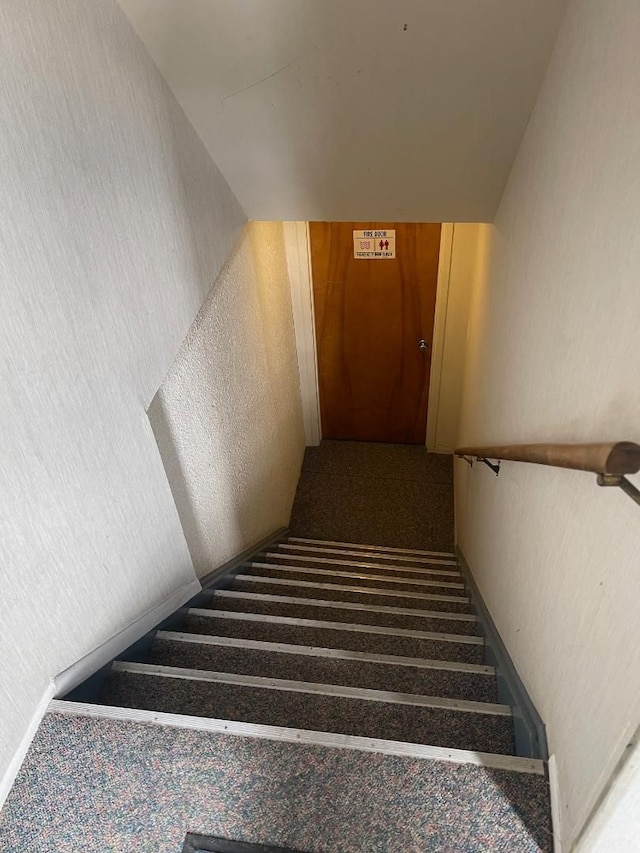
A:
(410, 110)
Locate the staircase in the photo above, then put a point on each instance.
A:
(331, 638)
(335, 697)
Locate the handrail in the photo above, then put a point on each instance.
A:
(609, 460)
(620, 457)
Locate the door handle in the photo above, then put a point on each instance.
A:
(423, 346)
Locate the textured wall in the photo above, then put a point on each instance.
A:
(228, 416)
(115, 224)
(553, 356)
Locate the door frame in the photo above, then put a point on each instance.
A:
(439, 337)
(298, 251)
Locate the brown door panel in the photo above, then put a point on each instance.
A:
(370, 316)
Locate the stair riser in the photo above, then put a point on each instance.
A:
(382, 581)
(462, 730)
(336, 639)
(322, 670)
(338, 594)
(332, 614)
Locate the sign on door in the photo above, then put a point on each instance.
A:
(374, 245)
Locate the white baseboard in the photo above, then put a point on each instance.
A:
(9, 777)
(556, 804)
(86, 666)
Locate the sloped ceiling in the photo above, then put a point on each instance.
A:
(343, 109)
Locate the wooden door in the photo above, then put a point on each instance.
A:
(370, 317)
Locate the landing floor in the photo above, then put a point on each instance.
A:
(107, 786)
(396, 495)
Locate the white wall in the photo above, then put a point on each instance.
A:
(228, 416)
(553, 356)
(115, 224)
(409, 111)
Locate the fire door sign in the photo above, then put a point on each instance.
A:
(374, 245)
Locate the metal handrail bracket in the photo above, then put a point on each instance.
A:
(618, 480)
(495, 466)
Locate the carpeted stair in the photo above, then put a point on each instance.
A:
(315, 663)
(191, 678)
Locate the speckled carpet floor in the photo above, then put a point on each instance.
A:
(388, 494)
(106, 786)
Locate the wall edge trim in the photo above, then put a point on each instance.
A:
(447, 237)
(298, 253)
(79, 671)
(82, 682)
(236, 562)
(530, 730)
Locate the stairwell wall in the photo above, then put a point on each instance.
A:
(115, 225)
(228, 415)
(552, 355)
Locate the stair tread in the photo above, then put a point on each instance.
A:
(316, 688)
(364, 547)
(319, 651)
(472, 686)
(368, 561)
(342, 592)
(212, 623)
(359, 627)
(436, 726)
(332, 611)
(417, 584)
(346, 605)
